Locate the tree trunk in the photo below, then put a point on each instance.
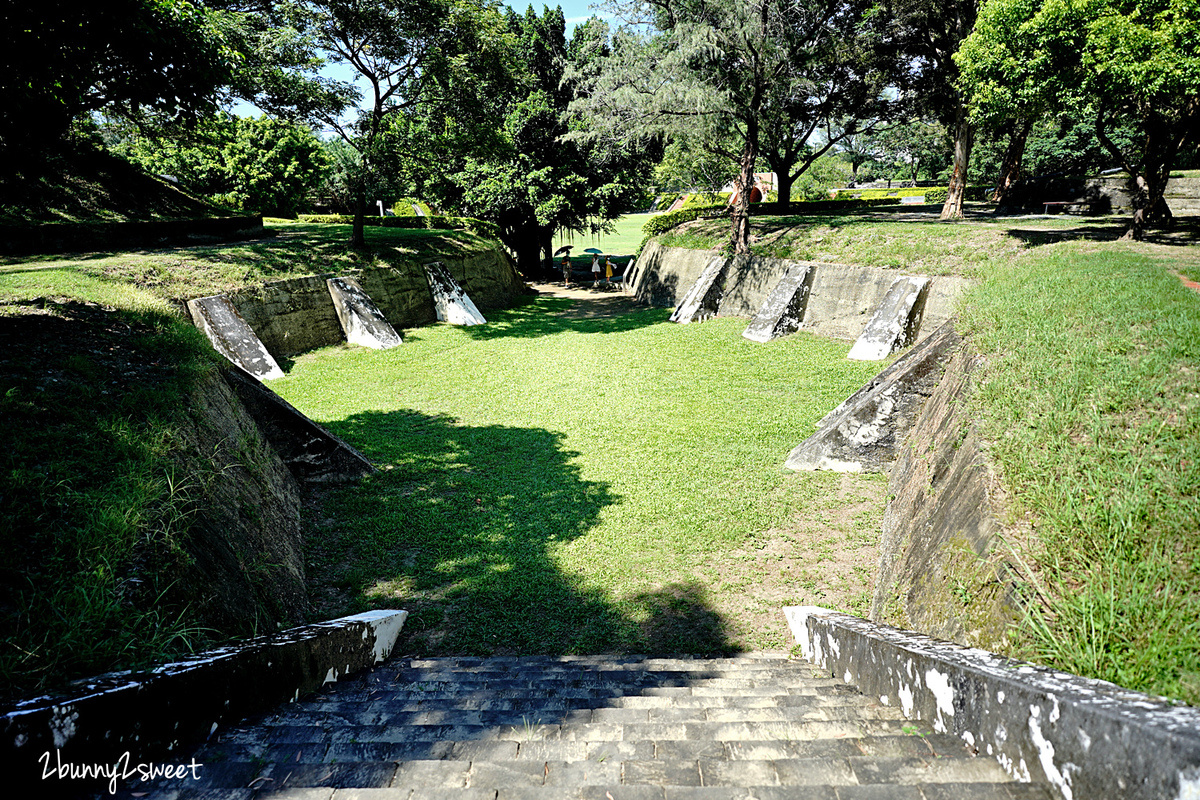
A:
(784, 182)
(964, 137)
(357, 237)
(1010, 171)
(740, 229)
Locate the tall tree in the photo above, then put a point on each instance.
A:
(929, 32)
(744, 72)
(125, 58)
(537, 180)
(407, 53)
(259, 165)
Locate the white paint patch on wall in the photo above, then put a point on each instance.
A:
(943, 693)
(1061, 780)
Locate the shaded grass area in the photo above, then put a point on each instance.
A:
(554, 484)
(83, 183)
(1091, 400)
(93, 507)
(210, 269)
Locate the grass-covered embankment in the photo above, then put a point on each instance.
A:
(1091, 399)
(93, 504)
(177, 273)
(94, 368)
(559, 484)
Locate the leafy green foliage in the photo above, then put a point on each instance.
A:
(262, 165)
(1133, 63)
(537, 180)
(129, 58)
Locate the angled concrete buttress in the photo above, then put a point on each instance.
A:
(783, 311)
(449, 299)
(362, 321)
(313, 454)
(701, 301)
(863, 433)
(895, 322)
(153, 715)
(232, 336)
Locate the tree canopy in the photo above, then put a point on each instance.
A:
(1131, 63)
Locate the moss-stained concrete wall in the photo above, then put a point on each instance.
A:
(297, 314)
(242, 570)
(840, 304)
(941, 562)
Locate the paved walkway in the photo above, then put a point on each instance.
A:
(610, 728)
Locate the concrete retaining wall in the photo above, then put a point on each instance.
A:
(297, 314)
(840, 304)
(939, 568)
(149, 715)
(1086, 738)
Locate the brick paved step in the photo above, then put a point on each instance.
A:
(623, 728)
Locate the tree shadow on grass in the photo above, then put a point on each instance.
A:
(461, 527)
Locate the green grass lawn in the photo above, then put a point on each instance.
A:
(623, 241)
(553, 484)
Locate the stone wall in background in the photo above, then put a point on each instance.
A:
(297, 314)
(840, 303)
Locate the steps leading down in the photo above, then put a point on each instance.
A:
(611, 728)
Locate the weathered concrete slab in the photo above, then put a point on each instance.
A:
(701, 301)
(865, 431)
(783, 311)
(313, 454)
(894, 323)
(150, 715)
(1086, 738)
(942, 570)
(450, 301)
(232, 337)
(362, 321)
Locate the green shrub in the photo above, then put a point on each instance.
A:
(877, 194)
(937, 194)
(665, 222)
(706, 199)
(479, 226)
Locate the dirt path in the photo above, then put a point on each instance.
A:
(596, 303)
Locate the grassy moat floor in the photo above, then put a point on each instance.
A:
(561, 481)
(578, 477)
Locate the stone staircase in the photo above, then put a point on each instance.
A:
(611, 728)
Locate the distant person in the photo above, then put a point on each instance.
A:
(608, 269)
(595, 270)
(566, 268)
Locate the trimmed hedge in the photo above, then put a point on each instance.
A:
(937, 194)
(665, 222)
(876, 194)
(479, 226)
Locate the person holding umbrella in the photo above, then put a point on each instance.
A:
(566, 263)
(595, 265)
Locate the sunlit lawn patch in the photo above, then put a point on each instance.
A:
(554, 484)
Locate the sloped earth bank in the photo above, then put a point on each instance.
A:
(823, 551)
